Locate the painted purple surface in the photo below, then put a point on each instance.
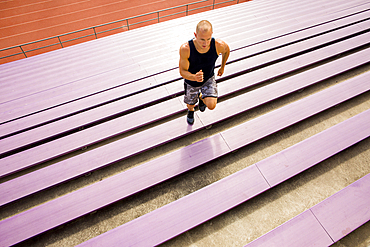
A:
(326, 222)
(87, 49)
(67, 94)
(51, 75)
(99, 46)
(283, 87)
(229, 108)
(297, 111)
(346, 210)
(215, 115)
(302, 230)
(75, 121)
(26, 185)
(181, 157)
(79, 105)
(73, 202)
(305, 20)
(267, 21)
(159, 225)
(98, 158)
(80, 202)
(303, 155)
(85, 138)
(133, 231)
(284, 39)
(179, 216)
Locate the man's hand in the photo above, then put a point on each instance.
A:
(199, 76)
(221, 71)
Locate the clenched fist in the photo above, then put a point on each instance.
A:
(199, 76)
(220, 71)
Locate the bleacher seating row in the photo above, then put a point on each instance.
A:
(59, 109)
(326, 222)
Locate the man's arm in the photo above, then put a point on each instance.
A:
(224, 49)
(184, 65)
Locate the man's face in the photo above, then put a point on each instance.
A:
(203, 39)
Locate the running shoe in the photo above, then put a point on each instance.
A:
(202, 106)
(190, 117)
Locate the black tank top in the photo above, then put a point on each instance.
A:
(202, 61)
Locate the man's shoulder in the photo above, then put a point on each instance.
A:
(221, 45)
(185, 49)
(185, 46)
(220, 42)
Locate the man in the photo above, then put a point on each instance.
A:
(197, 63)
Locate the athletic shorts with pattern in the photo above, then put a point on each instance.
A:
(208, 89)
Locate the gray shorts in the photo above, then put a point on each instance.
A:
(208, 89)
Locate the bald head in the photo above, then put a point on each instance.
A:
(204, 26)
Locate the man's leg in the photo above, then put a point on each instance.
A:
(210, 102)
(190, 100)
(190, 116)
(209, 93)
(190, 107)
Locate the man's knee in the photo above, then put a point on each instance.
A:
(211, 103)
(190, 107)
(212, 106)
